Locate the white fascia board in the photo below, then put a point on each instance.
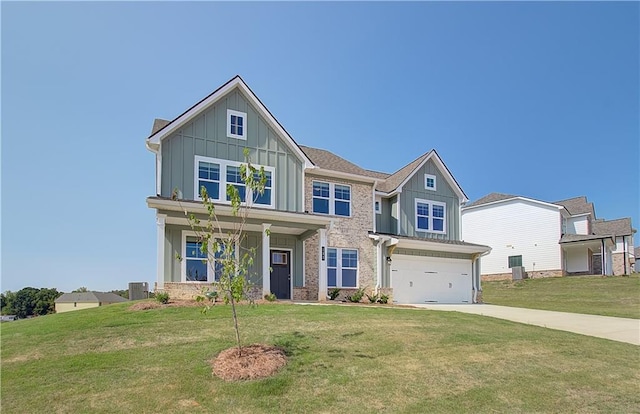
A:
(530, 200)
(579, 215)
(442, 247)
(237, 82)
(227, 211)
(443, 170)
(341, 175)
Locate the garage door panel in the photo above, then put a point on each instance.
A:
(416, 279)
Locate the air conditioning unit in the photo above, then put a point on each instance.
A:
(138, 290)
(518, 273)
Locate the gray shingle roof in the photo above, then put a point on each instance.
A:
(636, 253)
(158, 124)
(619, 227)
(441, 241)
(570, 238)
(398, 177)
(577, 205)
(91, 297)
(330, 161)
(490, 198)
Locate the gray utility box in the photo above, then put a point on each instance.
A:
(138, 290)
(518, 273)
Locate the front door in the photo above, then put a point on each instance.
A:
(281, 274)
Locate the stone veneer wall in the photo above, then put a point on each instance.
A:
(189, 291)
(618, 264)
(530, 275)
(345, 232)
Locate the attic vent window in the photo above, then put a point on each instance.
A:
(430, 182)
(236, 124)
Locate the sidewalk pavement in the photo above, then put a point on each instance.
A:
(615, 329)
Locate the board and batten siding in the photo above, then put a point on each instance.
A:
(206, 135)
(414, 189)
(514, 228)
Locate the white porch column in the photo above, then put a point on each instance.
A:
(266, 259)
(160, 222)
(322, 265)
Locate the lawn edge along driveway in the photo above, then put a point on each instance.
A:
(607, 327)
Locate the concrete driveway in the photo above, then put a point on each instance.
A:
(615, 329)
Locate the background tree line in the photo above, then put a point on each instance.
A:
(30, 301)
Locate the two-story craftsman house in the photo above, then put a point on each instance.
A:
(330, 222)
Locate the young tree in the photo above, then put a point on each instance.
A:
(81, 289)
(223, 246)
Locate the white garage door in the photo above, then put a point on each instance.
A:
(417, 279)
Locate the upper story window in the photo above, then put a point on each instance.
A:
(430, 216)
(329, 198)
(215, 174)
(377, 205)
(430, 182)
(209, 178)
(236, 124)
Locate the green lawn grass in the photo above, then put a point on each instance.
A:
(596, 295)
(352, 359)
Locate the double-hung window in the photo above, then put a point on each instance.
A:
(430, 216)
(215, 174)
(236, 124)
(342, 268)
(234, 177)
(209, 178)
(195, 263)
(330, 198)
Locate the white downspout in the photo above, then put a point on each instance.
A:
(375, 215)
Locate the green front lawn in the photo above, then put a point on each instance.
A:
(597, 295)
(342, 359)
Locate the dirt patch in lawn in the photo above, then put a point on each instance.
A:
(255, 362)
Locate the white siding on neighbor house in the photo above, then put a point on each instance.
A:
(514, 228)
(576, 259)
(578, 225)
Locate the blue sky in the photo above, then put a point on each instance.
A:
(535, 99)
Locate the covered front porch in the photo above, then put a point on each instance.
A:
(275, 237)
(587, 254)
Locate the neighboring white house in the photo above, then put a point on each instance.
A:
(547, 239)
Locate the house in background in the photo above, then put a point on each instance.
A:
(546, 238)
(623, 254)
(84, 300)
(330, 222)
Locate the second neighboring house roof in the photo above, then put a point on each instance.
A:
(618, 227)
(571, 238)
(491, 198)
(91, 297)
(636, 253)
(577, 205)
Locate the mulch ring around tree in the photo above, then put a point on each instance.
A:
(256, 361)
